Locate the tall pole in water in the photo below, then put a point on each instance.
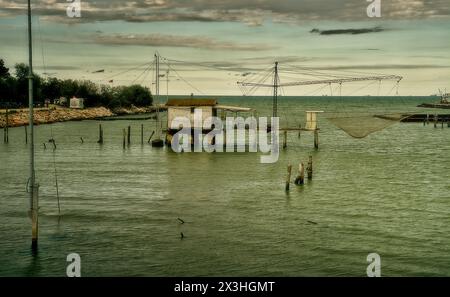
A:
(157, 95)
(157, 142)
(33, 187)
(167, 84)
(275, 91)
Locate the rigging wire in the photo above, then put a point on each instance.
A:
(145, 70)
(184, 80)
(125, 71)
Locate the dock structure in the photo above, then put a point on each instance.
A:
(311, 125)
(185, 108)
(421, 117)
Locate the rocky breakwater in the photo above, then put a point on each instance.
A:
(18, 118)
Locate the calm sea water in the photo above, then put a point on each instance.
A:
(388, 193)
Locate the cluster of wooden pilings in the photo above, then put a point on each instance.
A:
(436, 119)
(126, 136)
(300, 129)
(300, 179)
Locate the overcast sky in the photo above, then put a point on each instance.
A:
(234, 38)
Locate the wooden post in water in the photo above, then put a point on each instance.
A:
(124, 136)
(142, 134)
(300, 180)
(288, 177)
(284, 139)
(7, 124)
(150, 138)
(100, 134)
(299, 130)
(435, 120)
(309, 168)
(34, 217)
(26, 134)
(316, 139)
(129, 135)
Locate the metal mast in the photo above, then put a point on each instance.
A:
(33, 188)
(157, 93)
(157, 142)
(275, 91)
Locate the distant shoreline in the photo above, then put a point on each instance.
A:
(55, 114)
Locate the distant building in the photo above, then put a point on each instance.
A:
(62, 101)
(186, 108)
(77, 103)
(311, 120)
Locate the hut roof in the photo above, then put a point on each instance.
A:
(191, 102)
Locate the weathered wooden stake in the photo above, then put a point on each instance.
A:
(316, 139)
(288, 177)
(34, 218)
(100, 134)
(81, 138)
(6, 126)
(284, 139)
(428, 118)
(124, 136)
(53, 142)
(300, 179)
(142, 134)
(26, 134)
(129, 135)
(309, 168)
(299, 131)
(150, 138)
(435, 120)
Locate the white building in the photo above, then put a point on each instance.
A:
(77, 103)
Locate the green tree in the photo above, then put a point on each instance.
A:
(4, 72)
(51, 88)
(135, 95)
(21, 72)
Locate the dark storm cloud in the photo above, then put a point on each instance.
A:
(382, 66)
(348, 31)
(56, 67)
(160, 40)
(251, 12)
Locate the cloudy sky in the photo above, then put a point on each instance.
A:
(212, 44)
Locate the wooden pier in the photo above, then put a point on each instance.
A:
(423, 117)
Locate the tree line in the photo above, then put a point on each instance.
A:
(14, 90)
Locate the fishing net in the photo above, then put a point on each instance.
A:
(361, 125)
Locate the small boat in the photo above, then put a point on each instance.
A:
(443, 103)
